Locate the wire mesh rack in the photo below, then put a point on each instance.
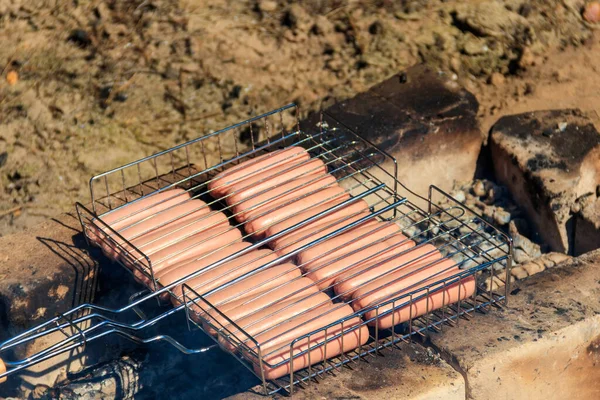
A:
(462, 248)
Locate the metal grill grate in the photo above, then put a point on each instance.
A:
(366, 173)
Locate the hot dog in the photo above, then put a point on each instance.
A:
(271, 316)
(275, 343)
(194, 247)
(280, 195)
(309, 205)
(398, 251)
(186, 211)
(133, 213)
(220, 185)
(273, 177)
(324, 262)
(216, 276)
(251, 285)
(236, 309)
(407, 280)
(174, 232)
(144, 207)
(292, 241)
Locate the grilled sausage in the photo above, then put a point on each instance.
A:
(144, 207)
(220, 185)
(346, 211)
(325, 261)
(390, 259)
(132, 213)
(280, 195)
(174, 232)
(247, 287)
(214, 277)
(272, 178)
(408, 280)
(269, 317)
(275, 343)
(236, 309)
(307, 206)
(189, 210)
(290, 242)
(194, 247)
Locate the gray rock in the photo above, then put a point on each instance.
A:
(547, 173)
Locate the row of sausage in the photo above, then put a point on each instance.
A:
(267, 195)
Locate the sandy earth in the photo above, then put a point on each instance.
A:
(89, 85)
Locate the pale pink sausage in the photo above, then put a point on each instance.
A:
(288, 243)
(214, 277)
(194, 247)
(144, 207)
(397, 284)
(270, 317)
(236, 309)
(282, 194)
(189, 210)
(134, 212)
(381, 263)
(174, 232)
(273, 177)
(307, 206)
(323, 263)
(221, 182)
(346, 211)
(249, 286)
(275, 344)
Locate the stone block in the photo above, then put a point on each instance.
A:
(44, 271)
(544, 345)
(410, 372)
(548, 160)
(424, 120)
(587, 227)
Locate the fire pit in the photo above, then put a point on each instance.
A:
(465, 242)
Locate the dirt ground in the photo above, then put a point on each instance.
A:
(89, 85)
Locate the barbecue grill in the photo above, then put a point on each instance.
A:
(366, 172)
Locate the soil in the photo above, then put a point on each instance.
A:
(90, 85)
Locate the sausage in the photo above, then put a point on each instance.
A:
(388, 260)
(275, 343)
(236, 309)
(292, 241)
(282, 194)
(249, 286)
(144, 207)
(346, 211)
(189, 210)
(269, 317)
(325, 261)
(308, 205)
(398, 284)
(216, 276)
(134, 212)
(194, 247)
(273, 177)
(174, 232)
(221, 182)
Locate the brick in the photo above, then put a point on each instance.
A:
(411, 372)
(544, 345)
(43, 272)
(424, 120)
(548, 160)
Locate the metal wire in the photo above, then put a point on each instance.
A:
(457, 233)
